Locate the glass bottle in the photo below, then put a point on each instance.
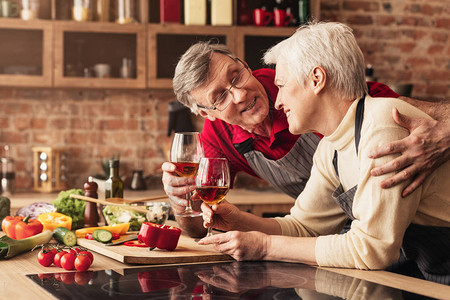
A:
(114, 185)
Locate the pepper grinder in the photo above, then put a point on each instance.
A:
(91, 217)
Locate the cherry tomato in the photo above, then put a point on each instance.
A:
(135, 244)
(57, 259)
(88, 254)
(82, 278)
(77, 250)
(45, 276)
(68, 278)
(45, 256)
(116, 236)
(58, 276)
(68, 261)
(88, 236)
(73, 251)
(82, 262)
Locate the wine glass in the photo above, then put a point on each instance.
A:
(212, 182)
(185, 154)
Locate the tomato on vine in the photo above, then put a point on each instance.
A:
(46, 256)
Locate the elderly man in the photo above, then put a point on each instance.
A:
(326, 93)
(243, 126)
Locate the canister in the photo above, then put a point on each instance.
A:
(195, 12)
(222, 12)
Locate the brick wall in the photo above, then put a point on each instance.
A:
(407, 41)
(91, 124)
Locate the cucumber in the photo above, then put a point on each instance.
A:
(65, 236)
(102, 236)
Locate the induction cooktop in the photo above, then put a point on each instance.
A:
(231, 280)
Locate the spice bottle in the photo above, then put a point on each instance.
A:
(8, 174)
(91, 217)
(114, 185)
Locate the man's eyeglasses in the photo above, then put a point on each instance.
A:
(226, 97)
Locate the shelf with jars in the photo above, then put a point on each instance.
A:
(131, 43)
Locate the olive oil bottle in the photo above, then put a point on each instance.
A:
(114, 185)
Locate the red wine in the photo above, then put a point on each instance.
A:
(186, 169)
(212, 194)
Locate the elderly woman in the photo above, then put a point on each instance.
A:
(320, 76)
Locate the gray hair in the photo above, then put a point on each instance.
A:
(331, 45)
(192, 70)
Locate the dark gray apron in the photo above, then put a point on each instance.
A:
(290, 173)
(425, 250)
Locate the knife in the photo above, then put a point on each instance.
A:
(123, 239)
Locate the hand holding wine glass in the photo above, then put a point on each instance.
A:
(212, 181)
(185, 154)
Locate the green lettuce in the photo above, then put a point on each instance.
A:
(71, 207)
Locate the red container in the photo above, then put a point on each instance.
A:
(169, 11)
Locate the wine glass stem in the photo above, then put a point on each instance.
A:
(209, 232)
(188, 206)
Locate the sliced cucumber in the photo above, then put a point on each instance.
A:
(65, 236)
(102, 235)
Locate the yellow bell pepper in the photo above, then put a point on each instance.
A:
(115, 228)
(54, 219)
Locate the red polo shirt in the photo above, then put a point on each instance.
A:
(218, 136)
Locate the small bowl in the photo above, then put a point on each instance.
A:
(158, 211)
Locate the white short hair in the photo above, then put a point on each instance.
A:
(330, 45)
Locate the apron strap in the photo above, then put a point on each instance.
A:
(359, 117)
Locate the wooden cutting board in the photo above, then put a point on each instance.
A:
(187, 251)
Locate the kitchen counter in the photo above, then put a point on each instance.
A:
(15, 285)
(256, 202)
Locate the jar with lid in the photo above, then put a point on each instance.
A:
(8, 174)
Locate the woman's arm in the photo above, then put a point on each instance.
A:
(422, 152)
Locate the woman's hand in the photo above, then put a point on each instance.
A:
(224, 216)
(252, 245)
(423, 151)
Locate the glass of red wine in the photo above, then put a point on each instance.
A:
(185, 154)
(212, 181)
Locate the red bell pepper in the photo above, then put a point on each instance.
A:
(20, 228)
(159, 236)
(159, 280)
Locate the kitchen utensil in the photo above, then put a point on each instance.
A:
(129, 201)
(123, 239)
(136, 208)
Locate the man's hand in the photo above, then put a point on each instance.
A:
(176, 187)
(423, 151)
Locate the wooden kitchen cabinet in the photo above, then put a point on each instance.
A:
(55, 51)
(167, 42)
(26, 53)
(79, 46)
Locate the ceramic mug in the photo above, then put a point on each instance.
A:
(102, 70)
(30, 9)
(9, 9)
(282, 18)
(262, 17)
